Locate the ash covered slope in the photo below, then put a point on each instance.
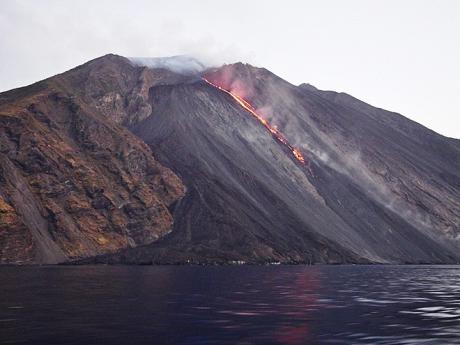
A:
(394, 181)
(247, 197)
(73, 183)
(366, 194)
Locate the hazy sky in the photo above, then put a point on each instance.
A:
(398, 55)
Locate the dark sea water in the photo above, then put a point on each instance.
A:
(230, 305)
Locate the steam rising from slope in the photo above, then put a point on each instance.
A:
(181, 64)
(281, 109)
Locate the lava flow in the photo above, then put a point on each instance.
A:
(273, 130)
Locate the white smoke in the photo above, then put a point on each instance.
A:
(181, 64)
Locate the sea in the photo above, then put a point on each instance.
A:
(235, 304)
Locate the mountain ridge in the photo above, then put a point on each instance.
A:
(367, 193)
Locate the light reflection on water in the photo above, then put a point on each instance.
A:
(230, 305)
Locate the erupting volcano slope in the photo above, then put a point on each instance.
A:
(275, 132)
(394, 181)
(271, 171)
(246, 198)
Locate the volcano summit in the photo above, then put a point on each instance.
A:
(166, 161)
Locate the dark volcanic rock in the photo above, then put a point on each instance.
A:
(381, 173)
(375, 186)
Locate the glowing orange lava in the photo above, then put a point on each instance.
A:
(273, 130)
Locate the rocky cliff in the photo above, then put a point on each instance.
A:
(73, 183)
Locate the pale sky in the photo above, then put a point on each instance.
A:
(401, 55)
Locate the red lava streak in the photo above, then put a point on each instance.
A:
(273, 130)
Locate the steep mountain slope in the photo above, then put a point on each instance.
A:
(72, 183)
(400, 170)
(371, 186)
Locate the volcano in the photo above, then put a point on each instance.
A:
(145, 161)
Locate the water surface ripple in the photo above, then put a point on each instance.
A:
(230, 305)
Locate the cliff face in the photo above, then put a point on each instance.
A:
(78, 178)
(74, 184)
